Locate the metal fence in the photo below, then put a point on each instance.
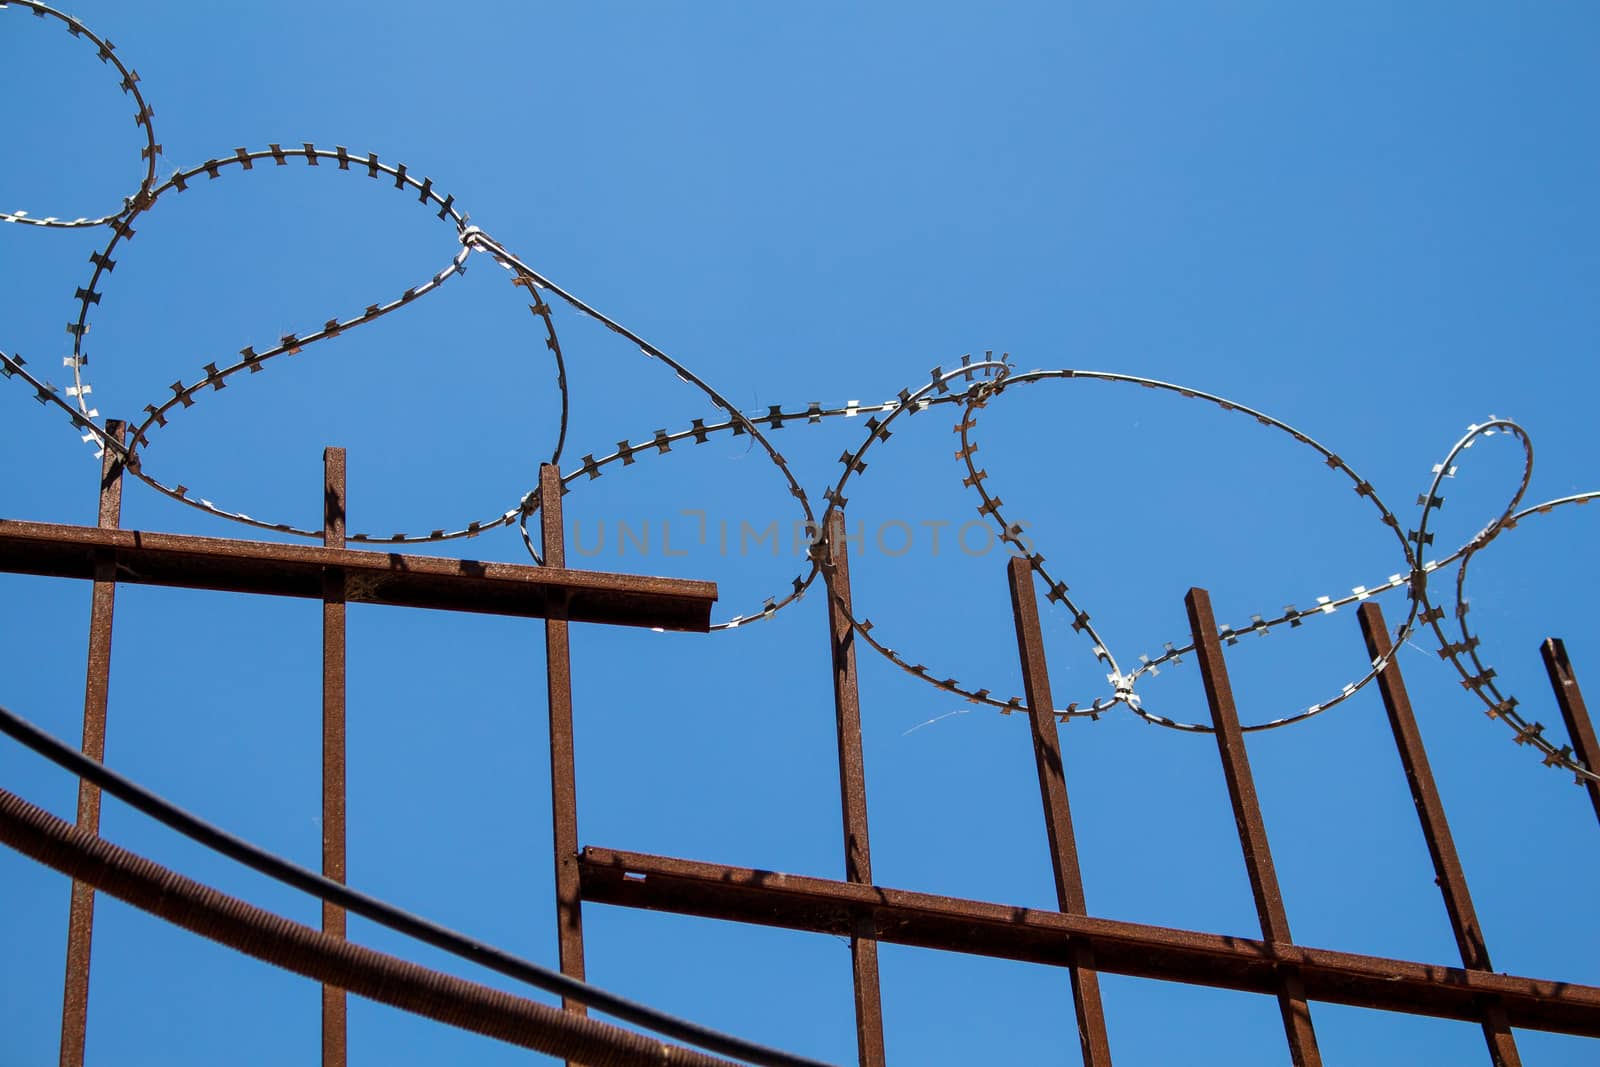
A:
(855, 907)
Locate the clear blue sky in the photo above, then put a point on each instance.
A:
(1377, 223)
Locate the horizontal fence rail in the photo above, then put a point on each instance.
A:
(1005, 931)
(394, 578)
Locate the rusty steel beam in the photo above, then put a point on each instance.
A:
(1274, 919)
(1576, 713)
(370, 577)
(852, 788)
(1092, 1039)
(1449, 874)
(96, 693)
(334, 1023)
(1005, 931)
(563, 768)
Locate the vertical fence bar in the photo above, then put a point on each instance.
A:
(334, 1025)
(563, 771)
(853, 790)
(1579, 728)
(1247, 817)
(1092, 1037)
(96, 691)
(1450, 876)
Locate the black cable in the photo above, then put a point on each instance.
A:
(356, 902)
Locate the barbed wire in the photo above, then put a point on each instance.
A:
(981, 383)
(143, 117)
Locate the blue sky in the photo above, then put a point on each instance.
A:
(1376, 223)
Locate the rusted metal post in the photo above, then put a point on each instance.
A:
(1574, 711)
(1057, 815)
(1247, 817)
(563, 772)
(853, 790)
(96, 691)
(1449, 874)
(334, 1026)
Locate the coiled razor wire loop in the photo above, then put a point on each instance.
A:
(213, 379)
(985, 381)
(143, 117)
(1478, 678)
(1123, 684)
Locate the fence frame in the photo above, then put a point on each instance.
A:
(855, 907)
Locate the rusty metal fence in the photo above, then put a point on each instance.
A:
(854, 907)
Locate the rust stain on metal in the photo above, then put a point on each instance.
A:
(1247, 817)
(96, 694)
(334, 1010)
(394, 578)
(1005, 931)
(852, 789)
(1092, 1038)
(563, 771)
(1576, 713)
(1450, 875)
